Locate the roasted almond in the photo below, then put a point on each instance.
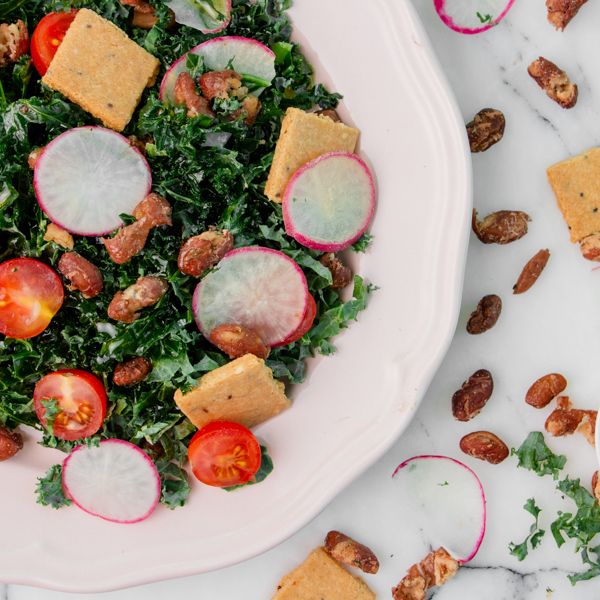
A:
(531, 271)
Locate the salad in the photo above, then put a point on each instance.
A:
(174, 189)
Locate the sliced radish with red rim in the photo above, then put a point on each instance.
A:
(259, 288)
(86, 177)
(472, 16)
(208, 16)
(115, 481)
(447, 501)
(329, 202)
(250, 58)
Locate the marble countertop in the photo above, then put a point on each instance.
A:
(554, 327)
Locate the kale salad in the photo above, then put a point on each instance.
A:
(209, 152)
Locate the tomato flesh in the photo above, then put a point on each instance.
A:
(31, 293)
(47, 37)
(223, 454)
(80, 398)
(307, 322)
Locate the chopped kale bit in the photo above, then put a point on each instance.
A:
(363, 243)
(535, 533)
(484, 19)
(535, 456)
(49, 489)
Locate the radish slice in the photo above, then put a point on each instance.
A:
(447, 500)
(329, 202)
(115, 481)
(248, 57)
(209, 16)
(472, 16)
(87, 177)
(259, 288)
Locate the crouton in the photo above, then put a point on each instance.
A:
(305, 136)
(576, 185)
(243, 391)
(320, 577)
(98, 67)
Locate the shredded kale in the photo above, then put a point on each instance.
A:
(534, 455)
(49, 489)
(535, 533)
(363, 243)
(213, 173)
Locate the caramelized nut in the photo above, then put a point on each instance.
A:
(61, 237)
(486, 315)
(10, 443)
(132, 371)
(350, 552)
(554, 81)
(542, 391)
(484, 446)
(340, 273)
(501, 227)
(472, 396)
(531, 271)
(590, 247)
(204, 251)
(81, 273)
(237, 341)
(560, 12)
(486, 129)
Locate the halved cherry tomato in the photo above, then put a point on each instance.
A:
(81, 398)
(223, 454)
(307, 322)
(47, 37)
(31, 293)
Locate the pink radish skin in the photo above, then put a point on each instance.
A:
(168, 82)
(440, 7)
(220, 27)
(207, 324)
(152, 470)
(476, 479)
(301, 238)
(40, 165)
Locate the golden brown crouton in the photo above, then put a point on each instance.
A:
(320, 577)
(59, 236)
(305, 136)
(576, 185)
(98, 67)
(243, 391)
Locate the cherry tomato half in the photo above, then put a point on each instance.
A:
(307, 322)
(81, 398)
(31, 293)
(223, 454)
(47, 37)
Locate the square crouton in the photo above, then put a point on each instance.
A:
(243, 391)
(576, 185)
(305, 136)
(320, 577)
(98, 67)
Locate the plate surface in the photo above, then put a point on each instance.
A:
(354, 404)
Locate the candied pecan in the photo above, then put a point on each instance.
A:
(587, 428)
(560, 12)
(10, 443)
(128, 242)
(237, 340)
(330, 113)
(146, 291)
(502, 227)
(554, 81)
(531, 271)
(14, 42)
(340, 273)
(564, 421)
(59, 236)
(472, 396)
(132, 371)
(484, 445)
(33, 157)
(486, 129)
(350, 552)
(139, 143)
(595, 486)
(81, 273)
(486, 315)
(434, 570)
(154, 210)
(542, 391)
(186, 93)
(201, 252)
(590, 247)
(220, 84)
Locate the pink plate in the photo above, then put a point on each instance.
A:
(354, 404)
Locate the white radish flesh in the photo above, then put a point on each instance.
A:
(472, 16)
(244, 55)
(87, 177)
(115, 481)
(447, 500)
(208, 16)
(329, 202)
(259, 288)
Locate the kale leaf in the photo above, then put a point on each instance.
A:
(535, 533)
(534, 455)
(49, 489)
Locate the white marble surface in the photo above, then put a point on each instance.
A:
(553, 327)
